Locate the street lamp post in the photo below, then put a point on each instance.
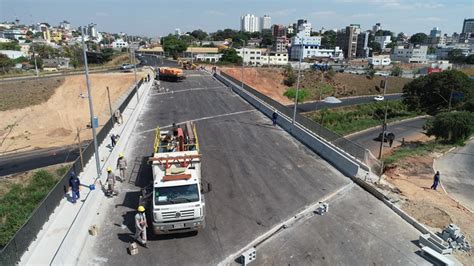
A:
(132, 61)
(91, 107)
(36, 65)
(384, 125)
(243, 56)
(297, 84)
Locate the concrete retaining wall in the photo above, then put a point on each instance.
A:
(341, 162)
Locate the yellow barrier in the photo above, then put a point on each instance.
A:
(157, 140)
(196, 136)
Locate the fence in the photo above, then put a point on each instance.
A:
(18, 245)
(350, 147)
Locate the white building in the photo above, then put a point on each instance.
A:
(313, 51)
(177, 31)
(260, 57)
(379, 60)
(12, 54)
(249, 23)
(383, 41)
(410, 54)
(304, 30)
(119, 44)
(65, 25)
(265, 23)
(442, 51)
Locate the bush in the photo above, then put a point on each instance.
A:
(452, 127)
(291, 94)
(290, 79)
(397, 71)
(17, 204)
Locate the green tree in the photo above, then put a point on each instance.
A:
(290, 93)
(432, 93)
(401, 37)
(5, 62)
(375, 47)
(452, 127)
(267, 38)
(328, 40)
(371, 73)
(456, 56)
(397, 71)
(45, 51)
(173, 45)
(199, 34)
(431, 50)
(107, 53)
(419, 38)
(290, 76)
(10, 46)
(469, 59)
(231, 56)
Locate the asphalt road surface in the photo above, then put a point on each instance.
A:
(260, 176)
(402, 129)
(313, 106)
(456, 169)
(29, 160)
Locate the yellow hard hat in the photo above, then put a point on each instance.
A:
(141, 208)
(120, 154)
(109, 169)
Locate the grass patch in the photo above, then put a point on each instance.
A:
(20, 201)
(349, 119)
(412, 149)
(24, 93)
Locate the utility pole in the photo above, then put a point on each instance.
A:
(34, 56)
(80, 146)
(243, 56)
(450, 100)
(384, 125)
(91, 107)
(297, 85)
(110, 106)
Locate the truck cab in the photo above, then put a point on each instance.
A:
(178, 204)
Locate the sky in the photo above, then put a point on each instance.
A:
(154, 18)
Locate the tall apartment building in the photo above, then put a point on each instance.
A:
(468, 26)
(383, 41)
(410, 54)
(278, 31)
(347, 40)
(265, 23)
(281, 44)
(376, 27)
(304, 30)
(363, 44)
(249, 23)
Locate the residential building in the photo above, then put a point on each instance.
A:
(260, 57)
(65, 25)
(157, 50)
(314, 52)
(249, 23)
(119, 44)
(468, 26)
(12, 54)
(304, 30)
(254, 42)
(265, 23)
(290, 29)
(347, 40)
(207, 54)
(14, 34)
(251, 56)
(376, 27)
(300, 22)
(4, 40)
(435, 32)
(383, 41)
(363, 49)
(177, 32)
(92, 31)
(56, 36)
(442, 51)
(278, 31)
(281, 44)
(58, 63)
(25, 48)
(410, 54)
(380, 60)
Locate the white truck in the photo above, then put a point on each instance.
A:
(177, 200)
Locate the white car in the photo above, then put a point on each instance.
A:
(378, 98)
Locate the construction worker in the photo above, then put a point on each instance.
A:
(74, 184)
(118, 117)
(274, 117)
(436, 178)
(122, 166)
(110, 182)
(140, 226)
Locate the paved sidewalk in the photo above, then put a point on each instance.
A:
(66, 231)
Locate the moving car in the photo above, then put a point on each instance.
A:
(378, 98)
(126, 67)
(388, 135)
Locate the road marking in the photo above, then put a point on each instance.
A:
(288, 223)
(192, 89)
(200, 119)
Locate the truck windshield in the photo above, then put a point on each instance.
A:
(175, 195)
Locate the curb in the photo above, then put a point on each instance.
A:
(348, 97)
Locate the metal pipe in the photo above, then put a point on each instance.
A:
(91, 107)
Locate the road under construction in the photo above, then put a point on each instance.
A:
(261, 178)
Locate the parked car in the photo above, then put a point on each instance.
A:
(126, 67)
(378, 98)
(388, 135)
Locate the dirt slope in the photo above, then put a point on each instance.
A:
(54, 122)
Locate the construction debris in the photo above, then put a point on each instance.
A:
(322, 209)
(456, 240)
(133, 248)
(93, 230)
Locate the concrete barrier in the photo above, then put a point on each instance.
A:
(343, 163)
